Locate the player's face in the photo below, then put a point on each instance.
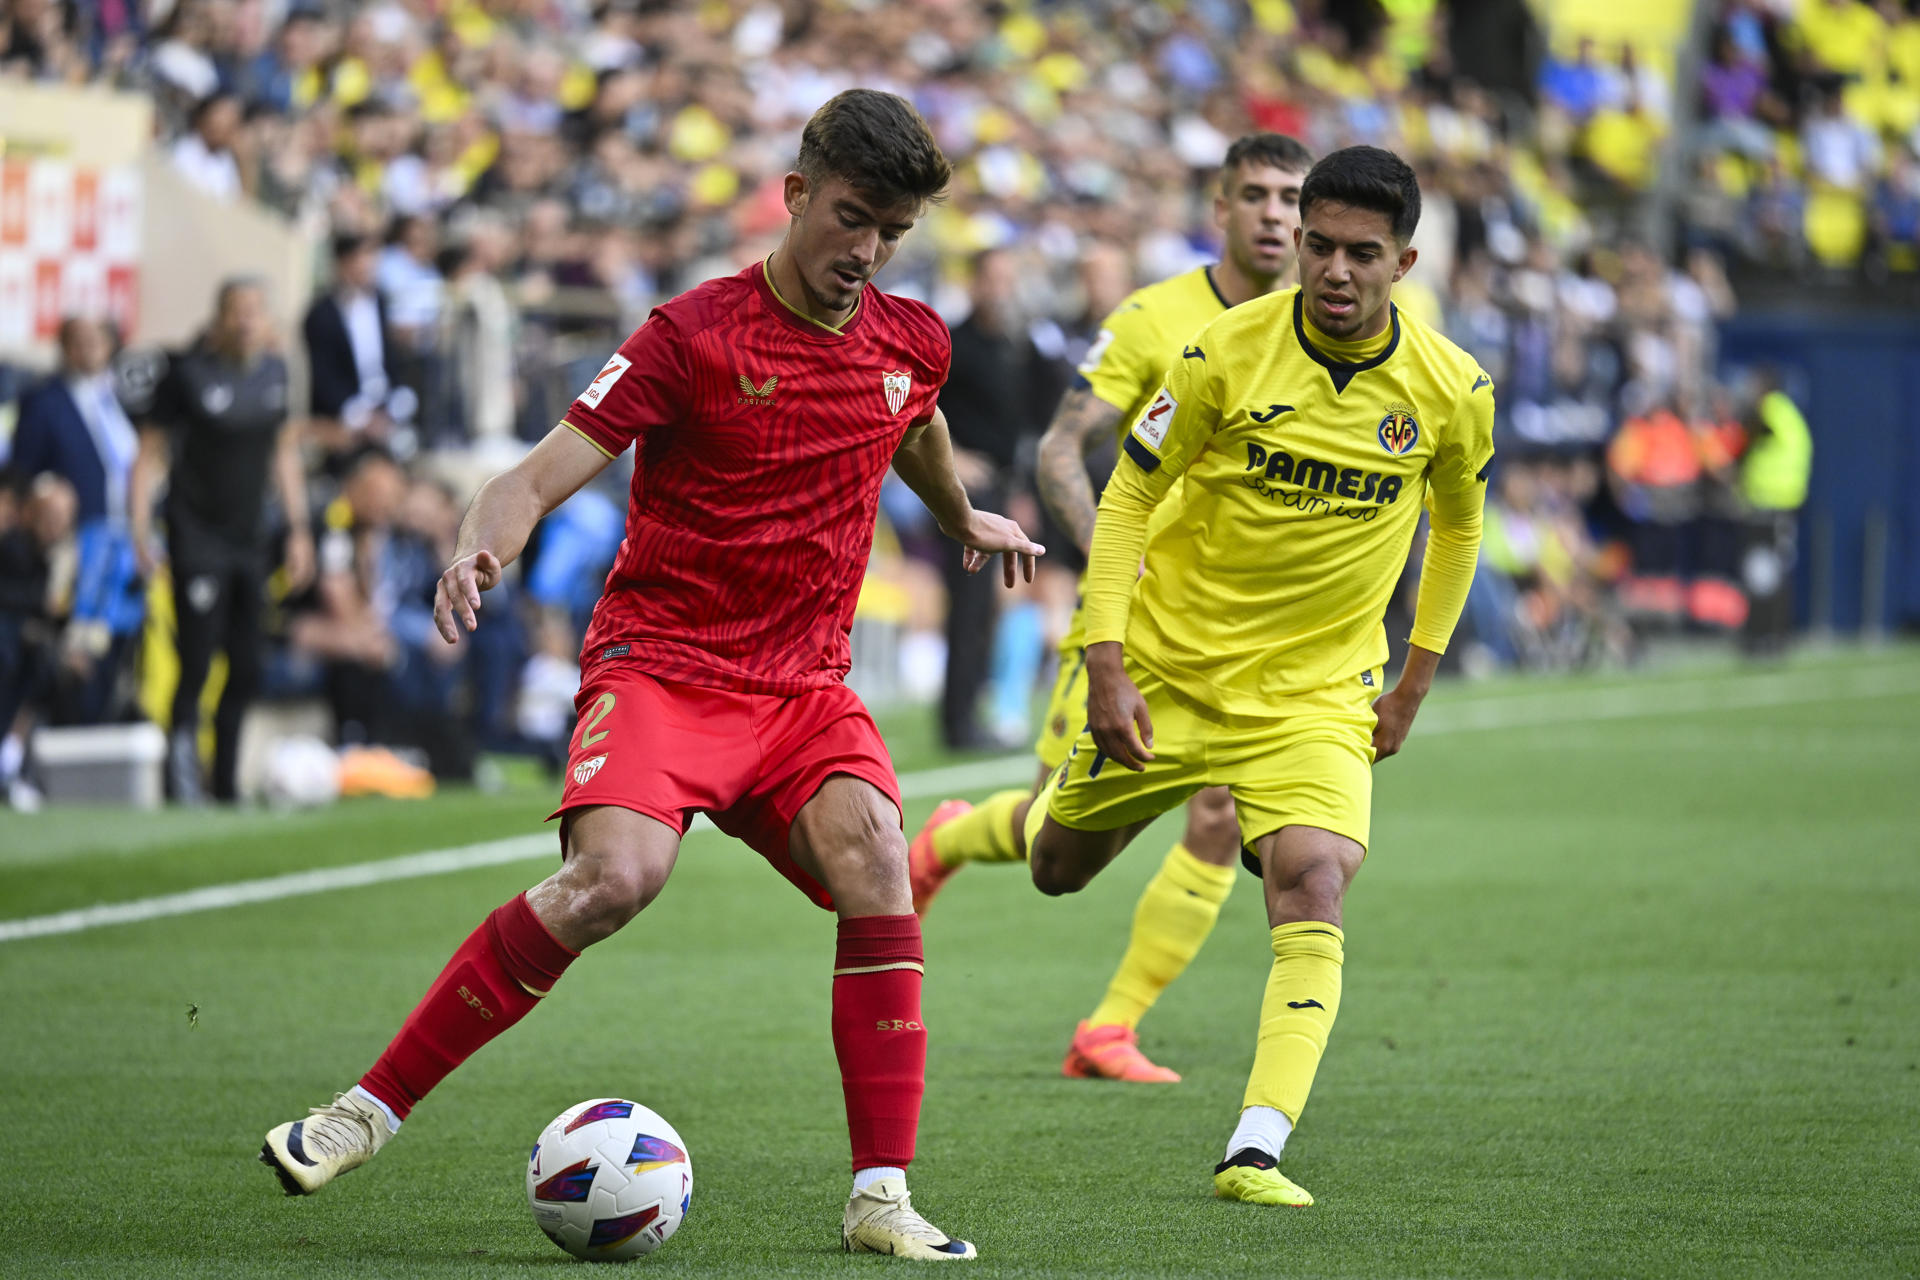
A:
(1259, 211)
(840, 238)
(1349, 262)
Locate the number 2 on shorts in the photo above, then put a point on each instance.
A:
(601, 707)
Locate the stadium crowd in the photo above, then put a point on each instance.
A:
(1809, 151)
(500, 190)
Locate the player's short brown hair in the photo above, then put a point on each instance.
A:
(879, 144)
(1280, 150)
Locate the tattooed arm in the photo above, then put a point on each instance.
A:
(1081, 421)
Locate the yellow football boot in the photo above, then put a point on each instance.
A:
(1251, 1175)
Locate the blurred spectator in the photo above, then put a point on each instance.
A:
(998, 396)
(389, 678)
(73, 425)
(1773, 480)
(352, 395)
(477, 338)
(36, 580)
(204, 154)
(218, 433)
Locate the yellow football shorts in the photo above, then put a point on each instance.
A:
(1311, 767)
(1066, 709)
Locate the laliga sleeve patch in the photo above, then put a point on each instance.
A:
(604, 380)
(1152, 426)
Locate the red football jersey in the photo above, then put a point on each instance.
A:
(762, 439)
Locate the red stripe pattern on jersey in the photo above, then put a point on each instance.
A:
(762, 440)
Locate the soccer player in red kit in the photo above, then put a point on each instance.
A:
(765, 408)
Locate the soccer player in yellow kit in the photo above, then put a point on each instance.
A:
(1308, 428)
(1257, 210)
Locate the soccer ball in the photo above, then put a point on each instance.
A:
(609, 1180)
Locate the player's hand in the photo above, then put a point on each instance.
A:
(1394, 711)
(987, 535)
(458, 593)
(1116, 713)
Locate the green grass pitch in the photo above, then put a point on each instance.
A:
(1632, 989)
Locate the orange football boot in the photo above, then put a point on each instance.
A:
(924, 869)
(1112, 1052)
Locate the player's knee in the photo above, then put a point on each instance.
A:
(1053, 875)
(613, 890)
(862, 859)
(1309, 891)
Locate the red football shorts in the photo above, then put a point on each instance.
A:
(750, 761)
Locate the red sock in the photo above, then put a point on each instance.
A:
(486, 988)
(879, 1037)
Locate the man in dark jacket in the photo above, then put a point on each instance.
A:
(219, 428)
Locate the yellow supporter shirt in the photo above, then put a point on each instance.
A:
(1135, 347)
(1305, 467)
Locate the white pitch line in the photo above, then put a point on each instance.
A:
(1509, 712)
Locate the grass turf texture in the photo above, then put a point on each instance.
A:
(1630, 992)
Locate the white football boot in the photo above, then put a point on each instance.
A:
(310, 1153)
(881, 1219)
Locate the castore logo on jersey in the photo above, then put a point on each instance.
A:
(762, 394)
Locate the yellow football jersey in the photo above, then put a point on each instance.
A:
(1140, 340)
(1304, 478)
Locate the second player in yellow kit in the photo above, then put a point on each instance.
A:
(1307, 430)
(1138, 343)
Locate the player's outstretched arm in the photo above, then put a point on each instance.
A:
(1082, 420)
(501, 518)
(925, 461)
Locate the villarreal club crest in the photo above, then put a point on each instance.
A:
(1399, 430)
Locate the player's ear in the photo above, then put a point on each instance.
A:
(796, 192)
(1408, 256)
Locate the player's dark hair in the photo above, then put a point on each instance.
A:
(1366, 178)
(879, 144)
(348, 243)
(1275, 149)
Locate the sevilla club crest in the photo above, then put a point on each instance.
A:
(896, 385)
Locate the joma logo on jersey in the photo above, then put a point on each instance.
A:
(762, 394)
(1279, 466)
(1399, 430)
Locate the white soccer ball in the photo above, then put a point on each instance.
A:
(609, 1180)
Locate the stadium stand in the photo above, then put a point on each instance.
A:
(539, 175)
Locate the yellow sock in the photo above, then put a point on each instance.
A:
(1303, 995)
(1175, 915)
(984, 834)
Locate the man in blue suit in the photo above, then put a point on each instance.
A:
(72, 424)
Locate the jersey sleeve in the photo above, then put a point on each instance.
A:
(645, 384)
(1169, 433)
(1460, 461)
(939, 362)
(1119, 366)
(1456, 496)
